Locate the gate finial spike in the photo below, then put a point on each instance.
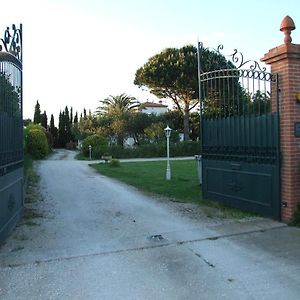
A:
(287, 26)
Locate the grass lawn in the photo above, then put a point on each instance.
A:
(151, 177)
(80, 156)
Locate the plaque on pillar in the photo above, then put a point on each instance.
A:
(297, 129)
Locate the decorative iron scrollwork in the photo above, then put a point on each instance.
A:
(237, 58)
(12, 41)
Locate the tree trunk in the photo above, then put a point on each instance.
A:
(186, 125)
(120, 140)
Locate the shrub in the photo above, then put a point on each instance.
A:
(36, 143)
(186, 148)
(29, 127)
(98, 143)
(114, 163)
(151, 150)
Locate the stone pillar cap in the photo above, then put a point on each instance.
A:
(286, 26)
(287, 23)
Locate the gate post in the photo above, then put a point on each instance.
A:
(285, 61)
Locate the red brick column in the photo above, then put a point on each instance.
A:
(285, 61)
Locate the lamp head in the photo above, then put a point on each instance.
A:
(168, 131)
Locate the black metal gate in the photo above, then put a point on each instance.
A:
(240, 134)
(11, 130)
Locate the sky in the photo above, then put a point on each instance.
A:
(78, 52)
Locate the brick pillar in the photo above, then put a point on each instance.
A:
(285, 61)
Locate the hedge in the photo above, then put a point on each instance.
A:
(188, 148)
(98, 143)
(36, 143)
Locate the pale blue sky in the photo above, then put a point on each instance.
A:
(77, 52)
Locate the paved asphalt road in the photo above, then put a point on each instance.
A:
(100, 239)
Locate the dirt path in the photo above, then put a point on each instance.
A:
(96, 238)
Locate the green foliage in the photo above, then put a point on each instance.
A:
(28, 165)
(155, 133)
(117, 108)
(75, 128)
(49, 140)
(33, 126)
(187, 148)
(36, 142)
(98, 143)
(44, 119)
(26, 122)
(137, 122)
(194, 126)
(150, 150)
(173, 74)
(117, 125)
(114, 163)
(174, 119)
(117, 104)
(64, 128)
(54, 132)
(170, 72)
(9, 96)
(37, 113)
(260, 103)
(296, 217)
(98, 151)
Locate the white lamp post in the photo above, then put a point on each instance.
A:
(168, 133)
(90, 152)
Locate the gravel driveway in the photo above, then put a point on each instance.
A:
(96, 238)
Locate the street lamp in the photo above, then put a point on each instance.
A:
(168, 134)
(90, 152)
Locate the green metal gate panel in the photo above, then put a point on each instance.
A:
(11, 130)
(249, 186)
(240, 135)
(11, 204)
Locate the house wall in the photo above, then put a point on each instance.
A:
(154, 110)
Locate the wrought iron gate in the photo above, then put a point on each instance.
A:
(240, 134)
(11, 130)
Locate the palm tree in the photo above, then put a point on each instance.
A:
(117, 105)
(117, 108)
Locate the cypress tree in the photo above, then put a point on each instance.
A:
(52, 125)
(61, 130)
(75, 129)
(76, 118)
(44, 120)
(68, 133)
(54, 132)
(71, 115)
(37, 113)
